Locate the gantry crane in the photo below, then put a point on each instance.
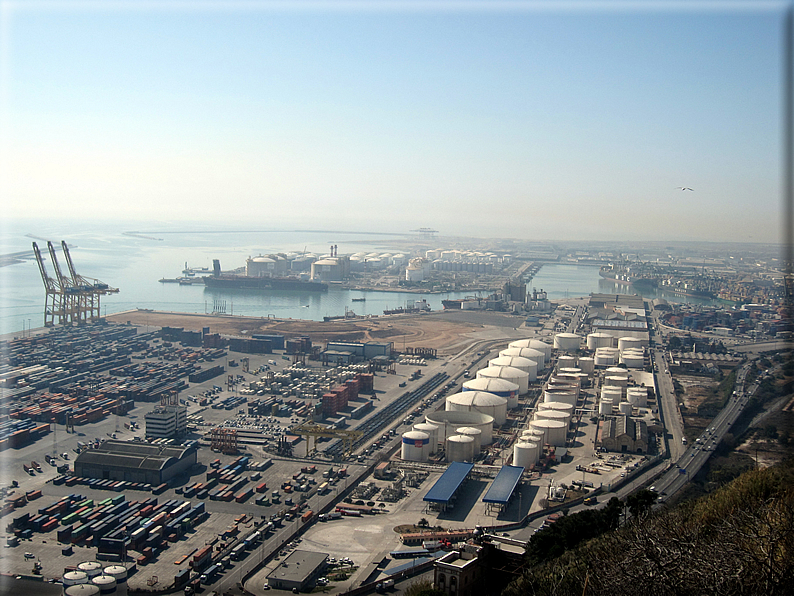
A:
(71, 300)
(310, 430)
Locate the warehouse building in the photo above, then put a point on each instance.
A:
(622, 434)
(166, 422)
(299, 570)
(135, 462)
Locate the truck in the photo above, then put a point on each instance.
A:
(683, 440)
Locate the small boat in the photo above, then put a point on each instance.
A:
(358, 299)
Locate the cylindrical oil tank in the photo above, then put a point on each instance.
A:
(528, 366)
(612, 392)
(415, 446)
(447, 422)
(624, 408)
(616, 381)
(632, 358)
(606, 356)
(459, 448)
(605, 406)
(625, 343)
(572, 371)
(637, 396)
(105, 583)
(479, 401)
(474, 433)
(499, 387)
(567, 396)
(587, 364)
(432, 432)
(525, 455)
(90, 568)
(598, 339)
(81, 590)
(553, 415)
(119, 573)
(72, 578)
(519, 377)
(567, 342)
(557, 405)
(566, 362)
(530, 353)
(542, 346)
(555, 431)
(616, 371)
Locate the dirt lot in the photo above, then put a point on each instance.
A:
(414, 331)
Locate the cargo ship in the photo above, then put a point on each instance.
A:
(243, 282)
(623, 277)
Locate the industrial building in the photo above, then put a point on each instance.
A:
(623, 434)
(166, 422)
(134, 462)
(299, 570)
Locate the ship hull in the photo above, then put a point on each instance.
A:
(240, 282)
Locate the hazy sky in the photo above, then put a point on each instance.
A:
(527, 120)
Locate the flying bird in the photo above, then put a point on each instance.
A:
(683, 188)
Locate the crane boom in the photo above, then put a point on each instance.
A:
(49, 283)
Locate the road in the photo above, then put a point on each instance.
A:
(668, 405)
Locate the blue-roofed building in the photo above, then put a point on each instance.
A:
(503, 487)
(443, 491)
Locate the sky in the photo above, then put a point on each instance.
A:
(540, 121)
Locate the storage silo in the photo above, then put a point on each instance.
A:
(553, 415)
(459, 448)
(432, 432)
(598, 339)
(519, 377)
(415, 446)
(566, 362)
(637, 396)
(528, 366)
(479, 401)
(625, 343)
(119, 573)
(567, 395)
(499, 387)
(90, 568)
(105, 583)
(530, 353)
(624, 408)
(81, 590)
(555, 431)
(567, 342)
(447, 422)
(587, 364)
(474, 433)
(525, 455)
(73, 578)
(605, 406)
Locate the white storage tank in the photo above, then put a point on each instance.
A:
(542, 346)
(598, 339)
(73, 578)
(555, 431)
(571, 371)
(553, 415)
(616, 371)
(119, 573)
(415, 446)
(567, 396)
(637, 396)
(587, 364)
(624, 408)
(605, 406)
(105, 583)
(432, 432)
(81, 590)
(567, 342)
(612, 392)
(528, 366)
(530, 353)
(616, 381)
(557, 405)
(525, 455)
(606, 356)
(632, 359)
(474, 433)
(90, 568)
(448, 422)
(459, 448)
(479, 401)
(499, 387)
(566, 362)
(625, 343)
(519, 377)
